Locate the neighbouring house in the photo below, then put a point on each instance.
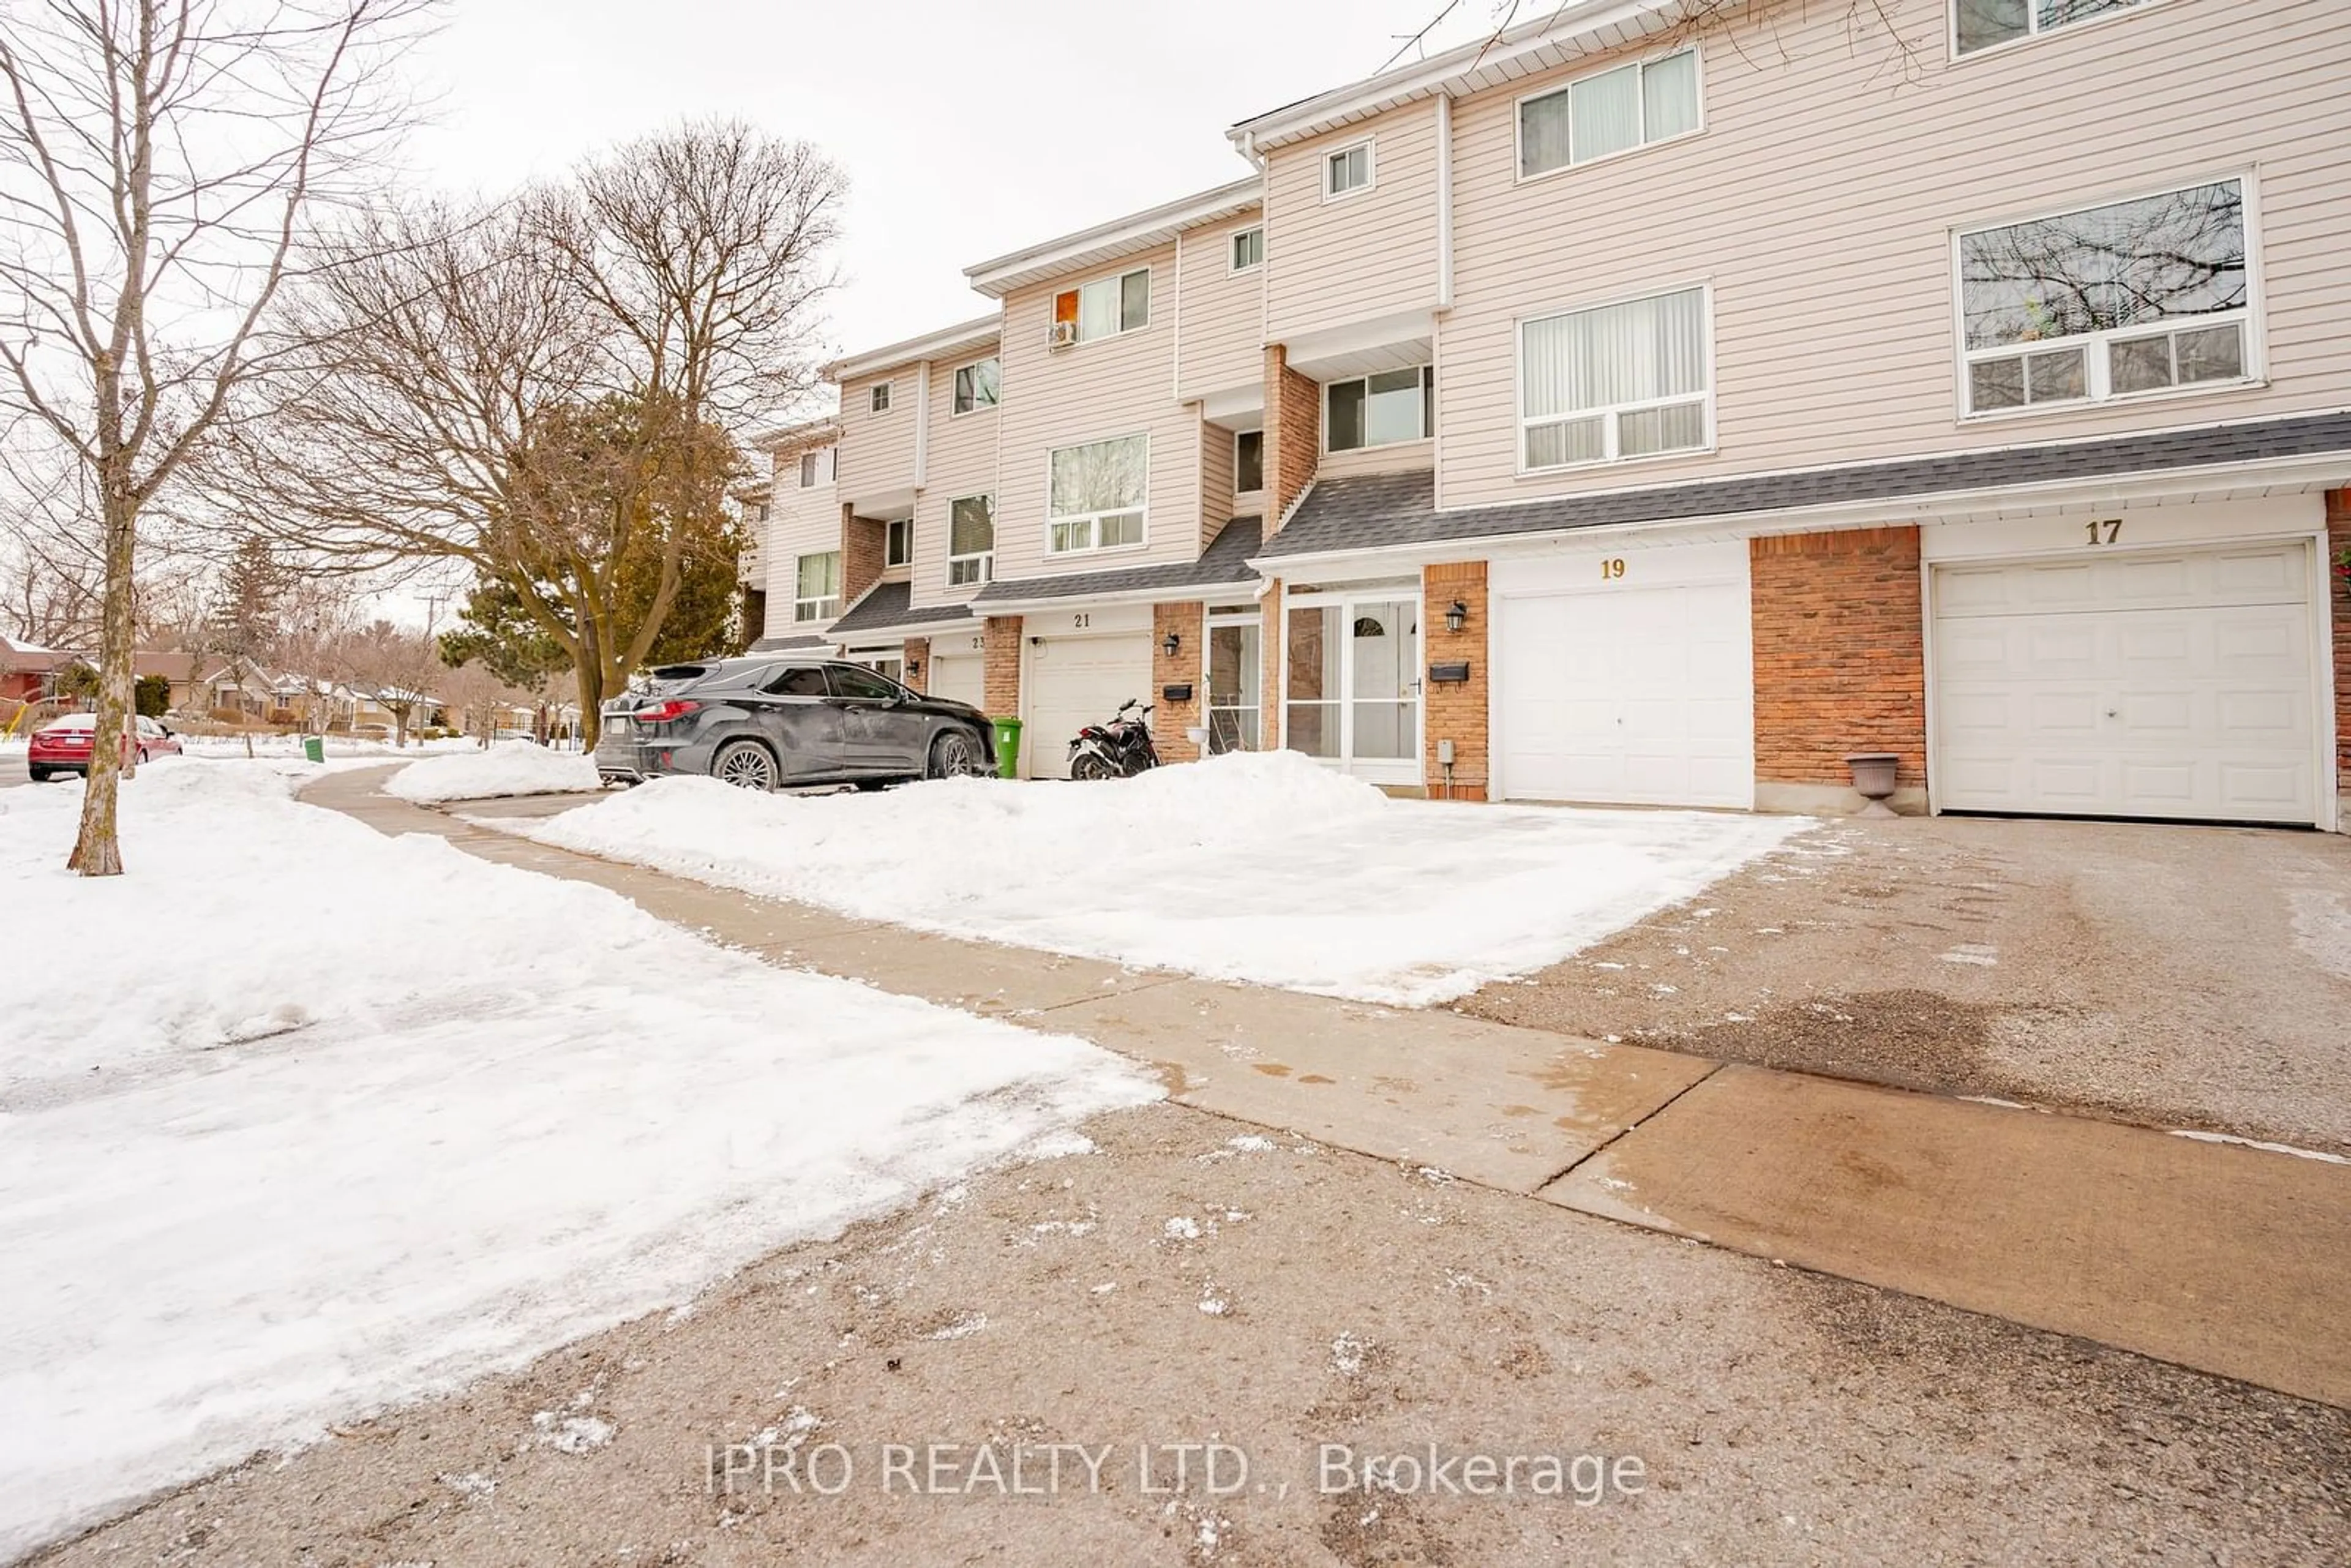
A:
(1629, 409)
(177, 669)
(28, 672)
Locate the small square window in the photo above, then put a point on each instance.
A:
(1249, 249)
(1347, 171)
(898, 544)
(880, 397)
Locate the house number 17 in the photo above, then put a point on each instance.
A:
(2104, 532)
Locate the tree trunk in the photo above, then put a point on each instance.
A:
(96, 851)
(588, 671)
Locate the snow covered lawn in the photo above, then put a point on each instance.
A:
(1265, 868)
(517, 767)
(297, 1121)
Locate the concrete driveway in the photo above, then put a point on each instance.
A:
(2183, 977)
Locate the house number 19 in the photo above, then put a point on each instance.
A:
(1612, 569)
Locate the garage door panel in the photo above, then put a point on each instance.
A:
(962, 678)
(1073, 681)
(2135, 703)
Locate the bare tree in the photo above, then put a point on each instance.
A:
(159, 159)
(543, 393)
(1889, 21)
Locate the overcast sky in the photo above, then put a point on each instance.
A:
(966, 131)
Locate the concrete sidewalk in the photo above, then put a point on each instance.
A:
(2225, 1258)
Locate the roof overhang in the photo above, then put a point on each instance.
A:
(976, 333)
(1563, 34)
(1124, 236)
(806, 433)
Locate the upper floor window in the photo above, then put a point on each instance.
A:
(974, 385)
(898, 542)
(1097, 495)
(1629, 379)
(2135, 297)
(1103, 308)
(1379, 409)
(1611, 111)
(880, 397)
(1981, 24)
(816, 468)
(1249, 461)
(816, 586)
(1347, 171)
(1249, 248)
(971, 540)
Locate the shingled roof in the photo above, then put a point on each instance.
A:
(1224, 564)
(888, 607)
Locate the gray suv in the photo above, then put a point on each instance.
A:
(770, 723)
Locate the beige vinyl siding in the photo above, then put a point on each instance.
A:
(1373, 253)
(800, 522)
(962, 462)
(1223, 329)
(1819, 204)
(1396, 457)
(877, 450)
(1113, 386)
(1216, 480)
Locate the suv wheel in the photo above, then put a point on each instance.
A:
(745, 764)
(956, 755)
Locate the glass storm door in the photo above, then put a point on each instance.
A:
(1235, 670)
(1352, 699)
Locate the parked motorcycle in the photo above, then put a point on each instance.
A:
(1119, 749)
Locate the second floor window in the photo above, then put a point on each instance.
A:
(1249, 461)
(1613, 111)
(971, 540)
(2136, 297)
(1618, 381)
(1379, 409)
(1106, 307)
(1347, 171)
(1097, 495)
(1981, 24)
(974, 385)
(879, 399)
(1249, 249)
(816, 586)
(898, 541)
(816, 468)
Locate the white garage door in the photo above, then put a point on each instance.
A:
(1637, 689)
(961, 677)
(2156, 683)
(1073, 681)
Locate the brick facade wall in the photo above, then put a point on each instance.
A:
(1268, 644)
(860, 554)
(1840, 654)
(1169, 720)
(1455, 711)
(1001, 658)
(918, 663)
(2338, 595)
(1293, 433)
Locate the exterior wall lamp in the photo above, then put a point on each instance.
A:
(914, 667)
(1173, 642)
(1457, 616)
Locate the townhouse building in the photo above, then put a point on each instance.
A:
(1658, 404)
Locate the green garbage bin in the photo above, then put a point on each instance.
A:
(1008, 749)
(314, 748)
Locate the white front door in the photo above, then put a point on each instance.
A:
(2168, 682)
(1073, 681)
(1352, 683)
(1626, 678)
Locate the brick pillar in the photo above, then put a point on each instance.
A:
(1455, 710)
(1293, 433)
(1002, 665)
(1840, 665)
(2339, 596)
(1269, 670)
(860, 554)
(1170, 719)
(918, 663)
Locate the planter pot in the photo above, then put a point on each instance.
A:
(1873, 778)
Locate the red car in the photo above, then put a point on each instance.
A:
(62, 746)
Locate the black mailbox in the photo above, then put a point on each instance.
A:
(1448, 675)
(1181, 694)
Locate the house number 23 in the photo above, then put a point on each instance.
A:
(1612, 569)
(2105, 531)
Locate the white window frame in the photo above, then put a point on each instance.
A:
(2096, 371)
(1428, 426)
(879, 397)
(1371, 146)
(1118, 281)
(1232, 250)
(1518, 121)
(894, 530)
(2034, 31)
(815, 607)
(1258, 487)
(1519, 384)
(980, 564)
(1093, 519)
(816, 468)
(955, 380)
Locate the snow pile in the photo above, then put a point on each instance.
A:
(515, 768)
(1267, 868)
(311, 1120)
